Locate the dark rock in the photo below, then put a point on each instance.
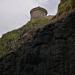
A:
(50, 52)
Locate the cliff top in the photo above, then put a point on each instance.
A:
(7, 42)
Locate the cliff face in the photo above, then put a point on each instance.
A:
(40, 48)
(51, 51)
(9, 40)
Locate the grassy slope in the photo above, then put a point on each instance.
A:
(8, 40)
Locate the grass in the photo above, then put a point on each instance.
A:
(35, 23)
(8, 40)
(66, 5)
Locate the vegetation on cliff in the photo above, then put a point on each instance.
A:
(66, 6)
(8, 40)
(51, 51)
(40, 48)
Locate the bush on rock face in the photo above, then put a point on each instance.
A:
(8, 40)
(66, 6)
(50, 52)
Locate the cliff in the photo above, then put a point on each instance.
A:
(66, 6)
(51, 51)
(44, 49)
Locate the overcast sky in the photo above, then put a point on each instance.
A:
(16, 13)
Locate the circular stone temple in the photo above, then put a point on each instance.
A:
(38, 12)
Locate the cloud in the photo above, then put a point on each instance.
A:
(15, 13)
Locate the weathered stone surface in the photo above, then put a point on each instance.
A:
(45, 51)
(38, 12)
(51, 51)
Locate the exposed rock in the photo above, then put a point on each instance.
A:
(51, 51)
(9, 40)
(65, 7)
(40, 48)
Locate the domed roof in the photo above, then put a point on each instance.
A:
(39, 8)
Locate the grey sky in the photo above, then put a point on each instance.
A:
(15, 13)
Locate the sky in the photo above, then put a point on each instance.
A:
(16, 13)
